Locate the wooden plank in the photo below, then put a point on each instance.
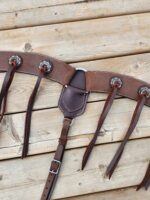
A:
(72, 42)
(24, 179)
(20, 5)
(121, 194)
(46, 127)
(49, 92)
(25, 13)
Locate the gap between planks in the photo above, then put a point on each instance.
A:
(45, 13)
(32, 172)
(74, 42)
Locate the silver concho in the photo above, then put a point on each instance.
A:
(16, 59)
(116, 81)
(144, 91)
(46, 66)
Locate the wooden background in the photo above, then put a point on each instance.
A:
(105, 35)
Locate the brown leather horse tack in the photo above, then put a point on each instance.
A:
(77, 85)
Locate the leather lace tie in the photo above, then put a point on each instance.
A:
(116, 84)
(14, 63)
(45, 67)
(144, 95)
(146, 180)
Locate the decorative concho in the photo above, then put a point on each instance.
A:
(116, 81)
(45, 66)
(144, 91)
(15, 61)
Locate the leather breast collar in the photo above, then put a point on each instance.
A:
(77, 85)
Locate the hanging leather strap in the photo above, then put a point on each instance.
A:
(56, 162)
(143, 98)
(28, 116)
(45, 67)
(146, 180)
(116, 84)
(14, 63)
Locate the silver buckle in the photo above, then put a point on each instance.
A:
(53, 171)
(80, 68)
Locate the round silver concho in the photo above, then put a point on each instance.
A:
(46, 66)
(116, 81)
(15, 59)
(144, 91)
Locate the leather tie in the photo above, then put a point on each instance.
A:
(144, 94)
(14, 63)
(146, 180)
(115, 84)
(45, 67)
(56, 162)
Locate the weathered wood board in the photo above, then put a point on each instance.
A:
(96, 35)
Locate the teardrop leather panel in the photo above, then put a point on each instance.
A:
(73, 99)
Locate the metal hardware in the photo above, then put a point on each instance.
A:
(45, 66)
(53, 171)
(82, 69)
(116, 81)
(15, 61)
(144, 91)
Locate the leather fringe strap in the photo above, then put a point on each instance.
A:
(116, 84)
(45, 67)
(146, 180)
(56, 162)
(14, 63)
(144, 94)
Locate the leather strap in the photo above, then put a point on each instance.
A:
(72, 103)
(44, 69)
(96, 81)
(146, 180)
(29, 115)
(6, 84)
(102, 118)
(133, 123)
(56, 162)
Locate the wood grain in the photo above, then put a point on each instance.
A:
(24, 179)
(121, 194)
(46, 127)
(28, 13)
(77, 41)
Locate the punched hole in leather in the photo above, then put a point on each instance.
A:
(72, 103)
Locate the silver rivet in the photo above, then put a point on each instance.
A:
(144, 91)
(116, 81)
(45, 66)
(15, 59)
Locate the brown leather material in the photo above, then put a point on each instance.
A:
(73, 100)
(98, 81)
(102, 118)
(62, 72)
(76, 87)
(56, 163)
(29, 115)
(134, 121)
(146, 180)
(72, 103)
(5, 87)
